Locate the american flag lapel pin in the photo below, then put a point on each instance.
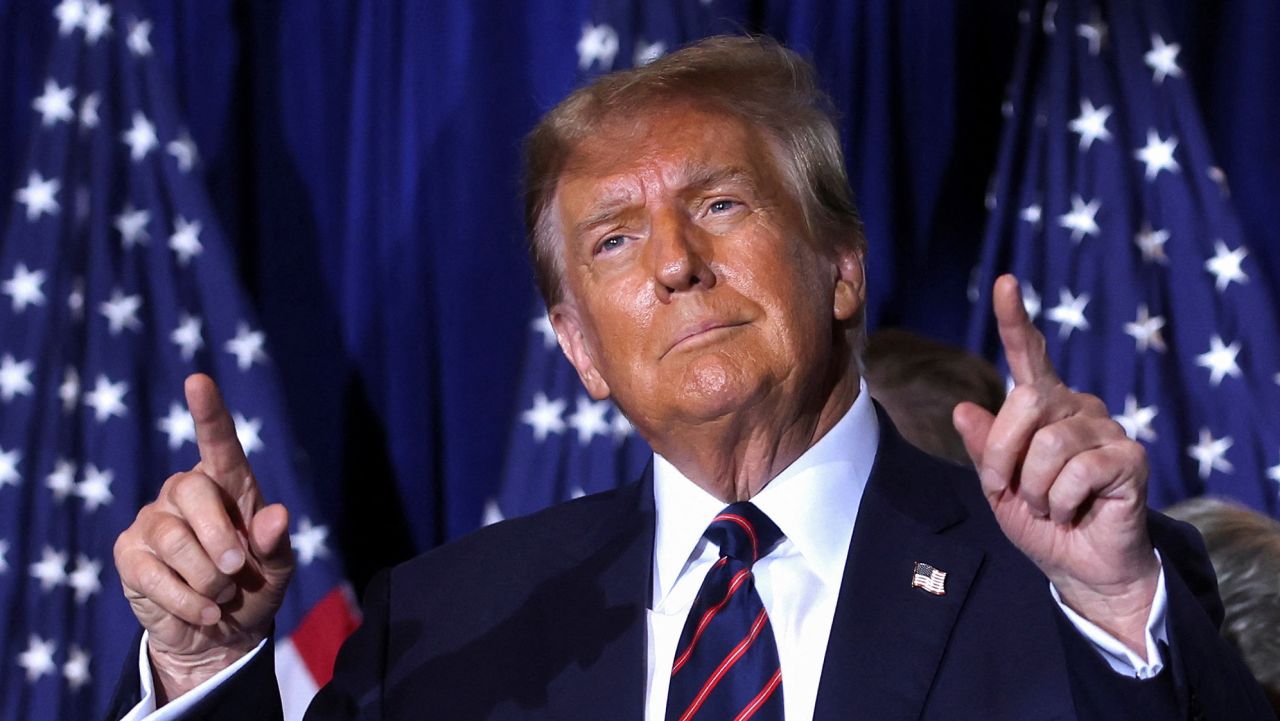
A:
(930, 579)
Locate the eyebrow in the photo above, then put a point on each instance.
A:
(696, 178)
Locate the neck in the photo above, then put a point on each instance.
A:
(734, 458)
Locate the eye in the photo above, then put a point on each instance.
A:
(611, 243)
(723, 205)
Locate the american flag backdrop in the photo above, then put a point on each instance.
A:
(1108, 205)
(115, 283)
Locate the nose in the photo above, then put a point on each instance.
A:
(679, 250)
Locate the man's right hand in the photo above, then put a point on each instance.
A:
(206, 565)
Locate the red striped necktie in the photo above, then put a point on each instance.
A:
(726, 666)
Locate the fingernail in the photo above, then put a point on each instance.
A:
(231, 560)
(227, 594)
(210, 615)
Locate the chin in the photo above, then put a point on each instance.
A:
(712, 388)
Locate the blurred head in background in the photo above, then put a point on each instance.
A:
(919, 382)
(1244, 547)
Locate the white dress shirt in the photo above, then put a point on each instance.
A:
(814, 502)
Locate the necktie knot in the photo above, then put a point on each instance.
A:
(743, 532)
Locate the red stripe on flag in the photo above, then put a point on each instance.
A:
(322, 631)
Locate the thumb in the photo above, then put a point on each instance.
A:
(973, 423)
(269, 541)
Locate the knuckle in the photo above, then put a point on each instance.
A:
(172, 537)
(1027, 396)
(1051, 440)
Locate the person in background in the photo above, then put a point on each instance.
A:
(1244, 547)
(920, 381)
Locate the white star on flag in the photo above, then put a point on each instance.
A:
(62, 480)
(1226, 265)
(4, 551)
(1162, 58)
(1047, 20)
(107, 399)
(1210, 453)
(1136, 420)
(544, 416)
(88, 115)
(38, 658)
(542, 326)
(39, 195)
(183, 151)
(1094, 31)
(1030, 301)
(95, 489)
(1220, 359)
(139, 40)
(97, 20)
(648, 52)
(76, 669)
(24, 287)
(1031, 214)
(1145, 330)
(1091, 125)
(247, 347)
(54, 104)
(588, 419)
(1151, 243)
(1080, 220)
(1157, 154)
(51, 569)
(1273, 473)
(15, 378)
(9, 460)
(140, 137)
(1069, 312)
(121, 312)
(178, 426)
(187, 336)
(84, 578)
(309, 541)
(185, 240)
(69, 389)
(70, 14)
(597, 46)
(132, 226)
(247, 432)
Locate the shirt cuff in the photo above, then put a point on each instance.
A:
(1120, 657)
(146, 709)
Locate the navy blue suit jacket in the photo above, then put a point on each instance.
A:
(543, 617)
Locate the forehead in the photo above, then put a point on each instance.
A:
(673, 148)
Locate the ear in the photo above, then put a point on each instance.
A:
(568, 327)
(851, 288)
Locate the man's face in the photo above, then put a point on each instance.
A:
(692, 291)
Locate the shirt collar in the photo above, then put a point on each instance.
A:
(814, 501)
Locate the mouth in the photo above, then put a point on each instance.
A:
(698, 334)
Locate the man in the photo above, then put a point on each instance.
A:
(701, 258)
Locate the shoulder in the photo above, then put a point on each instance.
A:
(524, 550)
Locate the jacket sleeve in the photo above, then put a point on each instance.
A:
(250, 694)
(1203, 679)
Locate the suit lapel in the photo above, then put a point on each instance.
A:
(606, 598)
(887, 637)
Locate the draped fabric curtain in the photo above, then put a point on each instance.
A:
(363, 157)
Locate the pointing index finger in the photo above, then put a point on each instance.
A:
(1024, 344)
(221, 456)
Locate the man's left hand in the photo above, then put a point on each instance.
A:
(1067, 486)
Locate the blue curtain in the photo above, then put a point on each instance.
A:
(364, 159)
